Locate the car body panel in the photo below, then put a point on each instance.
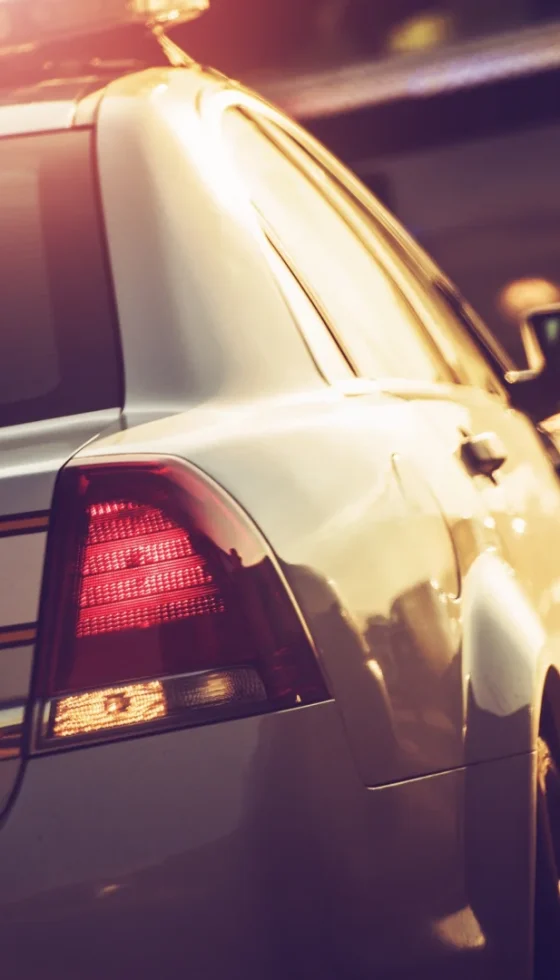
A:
(35, 117)
(218, 341)
(329, 462)
(51, 105)
(30, 459)
(182, 846)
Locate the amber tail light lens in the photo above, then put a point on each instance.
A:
(161, 608)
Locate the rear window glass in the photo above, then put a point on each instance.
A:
(59, 352)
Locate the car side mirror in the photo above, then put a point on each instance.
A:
(535, 388)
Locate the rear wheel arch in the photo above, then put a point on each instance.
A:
(546, 931)
(549, 719)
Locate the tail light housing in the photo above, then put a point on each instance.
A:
(162, 608)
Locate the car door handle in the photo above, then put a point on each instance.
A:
(484, 453)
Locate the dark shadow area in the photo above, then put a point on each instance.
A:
(242, 36)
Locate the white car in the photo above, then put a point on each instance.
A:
(280, 594)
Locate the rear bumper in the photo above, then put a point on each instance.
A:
(251, 850)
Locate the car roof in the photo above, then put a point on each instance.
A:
(59, 85)
(50, 105)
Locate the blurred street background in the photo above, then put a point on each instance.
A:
(447, 109)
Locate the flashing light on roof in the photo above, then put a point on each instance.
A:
(26, 23)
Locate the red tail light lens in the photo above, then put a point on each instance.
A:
(140, 569)
(161, 608)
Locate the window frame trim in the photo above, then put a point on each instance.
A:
(282, 253)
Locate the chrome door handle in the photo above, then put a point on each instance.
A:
(484, 453)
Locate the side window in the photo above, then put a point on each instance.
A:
(367, 313)
(60, 347)
(477, 366)
(443, 314)
(325, 351)
(450, 326)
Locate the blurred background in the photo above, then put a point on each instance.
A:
(448, 109)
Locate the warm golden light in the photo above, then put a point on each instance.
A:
(66, 18)
(420, 33)
(114, 707)
(522, 295)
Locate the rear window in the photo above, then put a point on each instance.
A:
(59, 344)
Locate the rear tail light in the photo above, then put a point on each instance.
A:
(161, 608)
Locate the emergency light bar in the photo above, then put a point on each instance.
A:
(27, 23)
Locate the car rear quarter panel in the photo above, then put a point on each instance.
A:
(362, 549)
